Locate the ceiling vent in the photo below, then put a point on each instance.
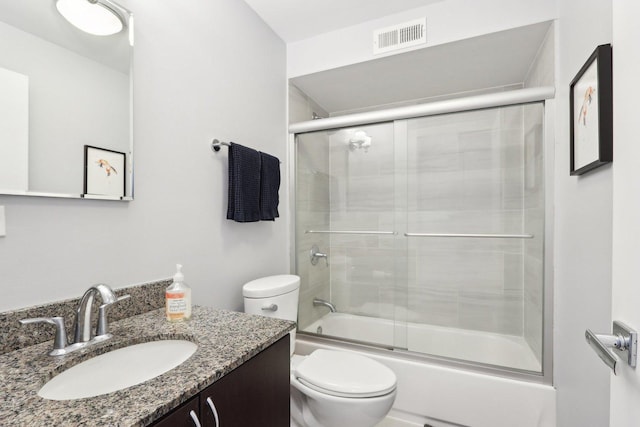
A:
(412, 33)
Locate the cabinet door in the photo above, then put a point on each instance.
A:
(181, 417)
(254, 394)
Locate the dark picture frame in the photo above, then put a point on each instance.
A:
(591, 106)
(104, 172)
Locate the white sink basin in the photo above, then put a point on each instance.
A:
(118, 369)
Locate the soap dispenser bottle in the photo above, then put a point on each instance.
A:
(178, 298)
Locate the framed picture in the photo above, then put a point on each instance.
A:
(104, 172)
(591, 103)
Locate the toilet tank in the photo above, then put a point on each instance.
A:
(274, 296)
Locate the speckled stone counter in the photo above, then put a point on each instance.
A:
(225, 340)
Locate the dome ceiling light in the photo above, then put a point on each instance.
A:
(97, 17)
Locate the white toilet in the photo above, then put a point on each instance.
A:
(328, 388)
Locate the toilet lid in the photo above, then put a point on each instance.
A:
(271, 286)
(339, 373)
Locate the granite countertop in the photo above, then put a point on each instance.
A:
(225, 340)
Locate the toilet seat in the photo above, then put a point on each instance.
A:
(343, 374)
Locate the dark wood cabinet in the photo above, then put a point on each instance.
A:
(181, 416)
(254, 394)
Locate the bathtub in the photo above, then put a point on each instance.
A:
(443, 396)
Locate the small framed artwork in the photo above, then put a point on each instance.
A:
(591, 103)
(104, 172)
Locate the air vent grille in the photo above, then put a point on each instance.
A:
(400, 36)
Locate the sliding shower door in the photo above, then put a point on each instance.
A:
(346, 209)
(426, 235)
(475, 212)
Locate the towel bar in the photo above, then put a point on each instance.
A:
(216, 144)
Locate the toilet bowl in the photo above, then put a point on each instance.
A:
(328, 388)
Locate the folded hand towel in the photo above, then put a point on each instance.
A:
(244, 184)
(269, 186)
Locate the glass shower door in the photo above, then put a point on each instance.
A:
(346, 209)
(475, 212)
(426, 235)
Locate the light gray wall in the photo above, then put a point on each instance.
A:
(203, 70)
(583, 231)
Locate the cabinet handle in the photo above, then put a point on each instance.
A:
(213, 411)
(195, 419)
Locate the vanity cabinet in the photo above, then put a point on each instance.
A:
(255, 393)
(181, 416)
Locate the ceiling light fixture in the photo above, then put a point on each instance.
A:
(96, 17)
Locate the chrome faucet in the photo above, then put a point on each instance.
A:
(83, 313)
(317, 302)
(82, 334)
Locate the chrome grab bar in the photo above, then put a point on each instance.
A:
(349, 232)
(483, 236)
(623, 339)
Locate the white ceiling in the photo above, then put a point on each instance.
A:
(480, 63)
(295, 20)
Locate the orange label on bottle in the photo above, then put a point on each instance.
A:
(176, 307)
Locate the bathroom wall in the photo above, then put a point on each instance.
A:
(447, 21)
(195, 80)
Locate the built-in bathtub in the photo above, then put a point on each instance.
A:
(441, 395)
(462, 344)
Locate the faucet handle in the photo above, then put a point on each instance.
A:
(60, 340)
(315, 254)
(102, 330)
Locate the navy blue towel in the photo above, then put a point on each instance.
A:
(269, 186)
(244, 184)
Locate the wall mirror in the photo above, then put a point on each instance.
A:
(63, 90)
